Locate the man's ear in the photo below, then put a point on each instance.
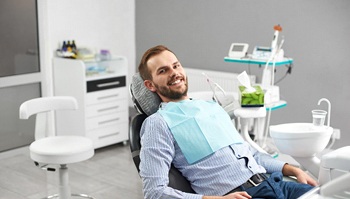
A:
(149, 85)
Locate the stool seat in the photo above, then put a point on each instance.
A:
(61, 149)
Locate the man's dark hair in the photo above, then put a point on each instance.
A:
(143, 68)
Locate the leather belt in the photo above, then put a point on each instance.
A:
(253, 181)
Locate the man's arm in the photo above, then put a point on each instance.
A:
(301, 176)
(268, 162)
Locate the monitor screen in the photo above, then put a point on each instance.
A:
(238, 48)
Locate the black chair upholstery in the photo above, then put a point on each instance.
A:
(147, 103)
(134, 138)
(176, 180)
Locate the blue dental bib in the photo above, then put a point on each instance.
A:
(199, 127)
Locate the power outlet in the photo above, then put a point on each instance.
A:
(336, 133)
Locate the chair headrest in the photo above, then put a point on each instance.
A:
(145, 101)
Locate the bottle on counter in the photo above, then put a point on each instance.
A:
(64, 46)
(74, 47)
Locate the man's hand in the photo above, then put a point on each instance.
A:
(235, 195)
(301, 176)
(238, 195)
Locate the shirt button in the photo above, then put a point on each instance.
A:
(239, 155)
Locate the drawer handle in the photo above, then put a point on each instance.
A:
(105, 136)
(107, 109)
(108, 84)
(108, 121)
(108, 96)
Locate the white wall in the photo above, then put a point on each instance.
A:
(107, 24)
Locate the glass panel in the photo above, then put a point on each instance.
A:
(13, 131)
(19, 52)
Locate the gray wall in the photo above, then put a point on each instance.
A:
(316, 36)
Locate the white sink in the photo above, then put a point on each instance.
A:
(300, 139)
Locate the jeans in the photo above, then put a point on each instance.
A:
(275, 187)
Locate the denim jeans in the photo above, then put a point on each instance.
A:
(275, 187)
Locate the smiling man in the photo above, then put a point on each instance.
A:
(199, 139)
(165, 75)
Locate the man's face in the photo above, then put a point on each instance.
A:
(169, 79)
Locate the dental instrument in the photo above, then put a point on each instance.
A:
(277, 29)
(227, 102)
(213, 86)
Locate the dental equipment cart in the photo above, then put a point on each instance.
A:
(262, 120)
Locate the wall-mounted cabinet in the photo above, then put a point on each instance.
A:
(101, 91)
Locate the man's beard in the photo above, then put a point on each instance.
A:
(173, 95)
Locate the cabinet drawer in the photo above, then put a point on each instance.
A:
(103, 84)
(106, 120)
(109, 135)
(106, 108)
(106, 96)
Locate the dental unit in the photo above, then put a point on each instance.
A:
(303, 141)
(307, 143)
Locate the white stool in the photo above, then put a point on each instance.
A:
(56, 150)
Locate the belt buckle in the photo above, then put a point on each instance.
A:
(259, 178)
(253, 183)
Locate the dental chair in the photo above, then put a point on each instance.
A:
(49, 151)
(146, 103)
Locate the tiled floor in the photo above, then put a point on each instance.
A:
(109, 174)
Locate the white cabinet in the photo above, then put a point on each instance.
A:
(100, 88)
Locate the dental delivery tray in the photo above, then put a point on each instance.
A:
(251, 99)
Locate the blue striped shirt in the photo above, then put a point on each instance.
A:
(213, 175)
